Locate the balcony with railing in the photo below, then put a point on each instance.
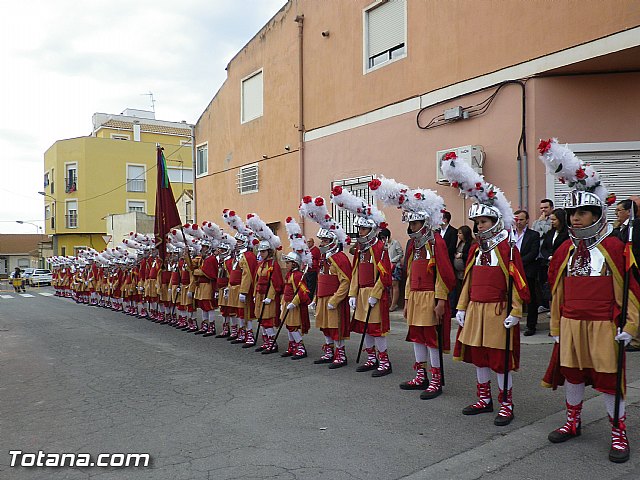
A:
(136, 185)
(71, 220)
(71, 184)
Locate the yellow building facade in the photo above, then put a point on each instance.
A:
(112, 171)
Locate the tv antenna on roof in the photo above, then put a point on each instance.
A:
(153, 102)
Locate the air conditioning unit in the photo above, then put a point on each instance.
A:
(472, 154)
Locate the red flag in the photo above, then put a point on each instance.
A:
(167, 215)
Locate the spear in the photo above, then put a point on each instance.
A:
(507, 347)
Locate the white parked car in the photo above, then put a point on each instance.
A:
(40, 276)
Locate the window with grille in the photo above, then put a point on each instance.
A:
(202, 159)
(359, 186)
(72, 214)
(385, 27)
(247, 179)
(135, 178)
(251, 101)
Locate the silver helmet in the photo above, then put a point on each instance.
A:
(293, 257)
(491, 237)
(370, 238)
(424, 234)
(593, 234)
(264, 245)
(242, 241)
(332, 246)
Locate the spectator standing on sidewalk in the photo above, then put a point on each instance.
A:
(465, 240)
(550, 243)
(542, 225)
(528, 243)
(623, 214)
(396, 256)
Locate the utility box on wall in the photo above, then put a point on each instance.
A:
(471, 154)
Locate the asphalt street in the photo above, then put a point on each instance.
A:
(83, 379)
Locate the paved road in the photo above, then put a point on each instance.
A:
(82, 379)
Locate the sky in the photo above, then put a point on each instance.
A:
(62, 61)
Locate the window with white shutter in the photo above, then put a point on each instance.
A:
(247, 179)
(385, 33)
(251, 101)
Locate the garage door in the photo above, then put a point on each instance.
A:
(620, 172)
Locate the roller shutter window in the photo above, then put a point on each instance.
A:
(619, 172)
(386, 32)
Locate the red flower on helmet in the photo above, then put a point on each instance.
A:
(289, 219)
(478, 185)
(319, 201)
(580, 174)
(249, 215)
(611, 199)
(491, 194)
(332, 227)
(375, 184)
(418, 195)
(306, 199)
(401, 199)
(255, 241)
(232, 213)
(337, 190)
(327, 217)
(225, 210)
(455, 185)
(544, 146)
(450, 156)
(383, 225)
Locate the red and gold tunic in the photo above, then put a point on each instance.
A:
(296, 292)
(370, 278)
(430, 277)
(269, 284)
(248, 265)
(334, 280)
(482, 340)
(585, 311)
(206, 278)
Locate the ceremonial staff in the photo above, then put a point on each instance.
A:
(439, 327)
(507, 347)
(366, 321)
(294, 296)
(628, 255)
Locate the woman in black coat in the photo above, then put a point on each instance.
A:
(550, 243)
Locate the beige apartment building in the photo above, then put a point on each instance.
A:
(337, 91)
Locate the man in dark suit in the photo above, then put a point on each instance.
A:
(450, 237)
(528, 243)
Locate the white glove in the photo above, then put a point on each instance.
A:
(141, 289)
(177, 289)
(312, 306)
(169, 292)
(330, 307)
(266, 301)
(624, 337)
(226, 293)
(511, 321)
(242, 297)
(556, 339)
(352, 303)
(460, 314)
(86, 282)
(189, 294)
(215, 295)
(291, 306)
(373, 301)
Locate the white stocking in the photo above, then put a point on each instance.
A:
(381, 343)
(610, 403)
(574, 393)
(420, 352)
(482, 374)
(339, 343)
(368, 341)
(500, 377)
(297, 336)
(328, 340)
(434, 357)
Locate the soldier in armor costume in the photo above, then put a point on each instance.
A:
(334, 279)
(206, 275)
(371, 277)
(590, 265)
(269, 283)
(482, 314)
(430, 279)
(225, 265)
(295, 296)
(151, 285)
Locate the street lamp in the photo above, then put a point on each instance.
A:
(38, 228)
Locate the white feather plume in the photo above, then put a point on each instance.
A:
(356, 205)
(316, 210)
(473, 185)
(262, 231)
(297, 241)
(568, 168)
